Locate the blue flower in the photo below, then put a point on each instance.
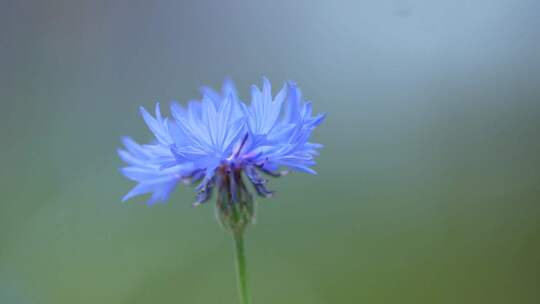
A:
(216, 140)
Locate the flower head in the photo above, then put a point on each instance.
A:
(216, 140)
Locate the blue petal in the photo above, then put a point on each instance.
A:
(221, 130)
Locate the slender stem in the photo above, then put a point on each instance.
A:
(241, 268)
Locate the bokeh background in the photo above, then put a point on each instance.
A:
(428, 187)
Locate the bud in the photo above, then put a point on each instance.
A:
(235, 208)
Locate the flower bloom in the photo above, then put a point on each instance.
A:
(217, 140)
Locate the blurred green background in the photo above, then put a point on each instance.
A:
(428, 187)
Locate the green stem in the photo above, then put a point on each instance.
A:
(241, 268)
